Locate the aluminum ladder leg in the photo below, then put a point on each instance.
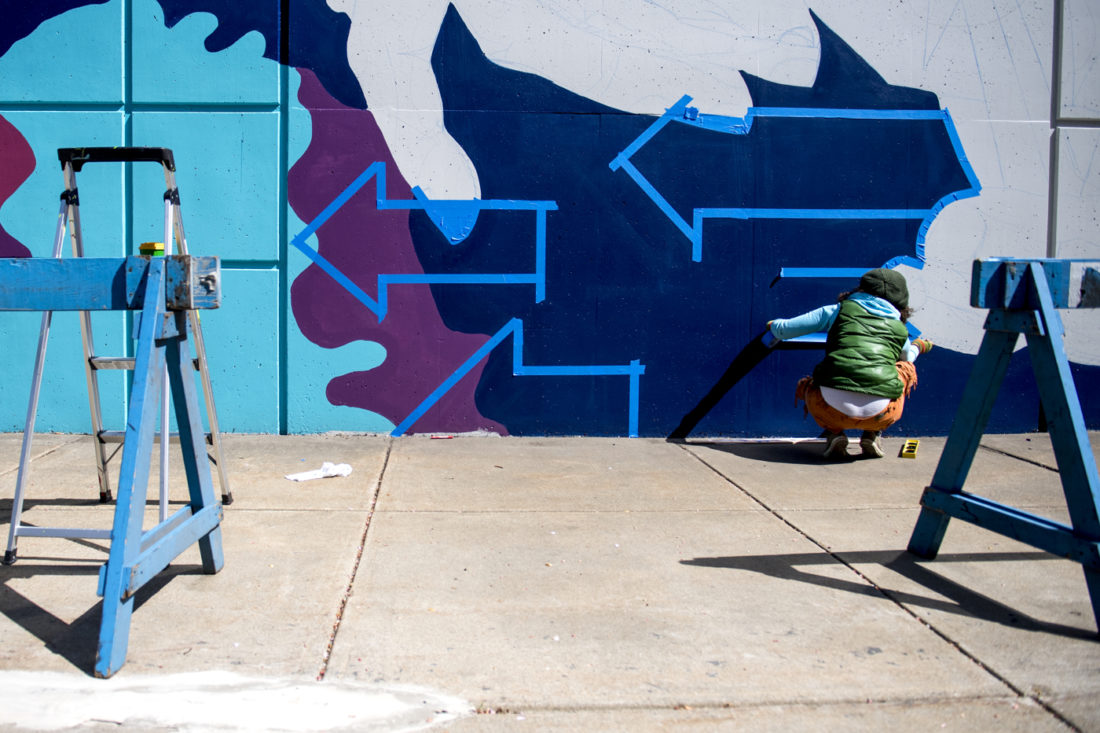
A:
(136, 556)
(72, 160)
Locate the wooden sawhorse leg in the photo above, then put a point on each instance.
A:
(137, 556)
(1020, 298)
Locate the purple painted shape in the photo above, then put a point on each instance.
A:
(16, 165)
(421, 352)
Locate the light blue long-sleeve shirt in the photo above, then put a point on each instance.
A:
(822, 319)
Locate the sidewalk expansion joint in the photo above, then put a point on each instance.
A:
(890, 597)
(47, 452)
(1005, 453)
(662, 512)
(487, 708)
(355, 565)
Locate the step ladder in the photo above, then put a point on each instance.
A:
(72, 161)
(1023, 297)
(165, 291)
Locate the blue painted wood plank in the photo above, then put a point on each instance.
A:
(157, 557)
(196, 465)
(126, 532)
(997, 283)
(1066, 422)
(974, 409)
(1040, 532)
(84, 283)
(36, 284)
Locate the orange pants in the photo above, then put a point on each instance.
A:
(836, 421)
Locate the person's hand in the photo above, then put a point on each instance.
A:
(925, 345)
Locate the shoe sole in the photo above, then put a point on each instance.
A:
(837, 448)
(871, 449)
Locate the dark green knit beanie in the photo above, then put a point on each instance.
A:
(886, 284)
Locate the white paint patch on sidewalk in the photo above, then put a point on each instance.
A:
(217, 701)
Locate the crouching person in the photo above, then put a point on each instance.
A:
(868, 367)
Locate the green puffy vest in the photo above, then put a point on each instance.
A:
(860, 353)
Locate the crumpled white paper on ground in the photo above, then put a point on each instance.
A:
(327, 470)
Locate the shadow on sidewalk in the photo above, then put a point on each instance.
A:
(804, 452)
(961, 600)
(76, 642)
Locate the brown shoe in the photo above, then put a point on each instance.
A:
(836, 446)
(871, 445)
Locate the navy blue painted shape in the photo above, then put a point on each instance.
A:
(318, 37)
(21, 18)
(844, 80)
(620, 281)
(797, 163)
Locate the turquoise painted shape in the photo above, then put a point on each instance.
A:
(309, 370)
(242, 351)
(176, 67)
(31, 216)
(74, 57)
(228, 179)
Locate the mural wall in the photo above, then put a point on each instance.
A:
(537, 218)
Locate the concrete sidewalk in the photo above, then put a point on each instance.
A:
(584, 583)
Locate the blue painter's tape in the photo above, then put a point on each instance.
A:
(812, 213)
(612, 370)
(823, 272)
(635, 383)
(956, 144)
(697, 236)
(658, 199)
(455, 219)
(742, 126)
(837, 113)
(479, 204)
(517, 348)
(717, 123)
(514, 328)
(540, 256)
(454, 379)
(700, 215)
(904, 260)
(374, 169)
(502, 278)
(334, 272)
(676, 110)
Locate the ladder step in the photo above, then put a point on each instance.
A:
(111, 362)
(120, 362)
(119, 436)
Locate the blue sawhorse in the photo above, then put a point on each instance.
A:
(1023, 297)
(163, 290)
